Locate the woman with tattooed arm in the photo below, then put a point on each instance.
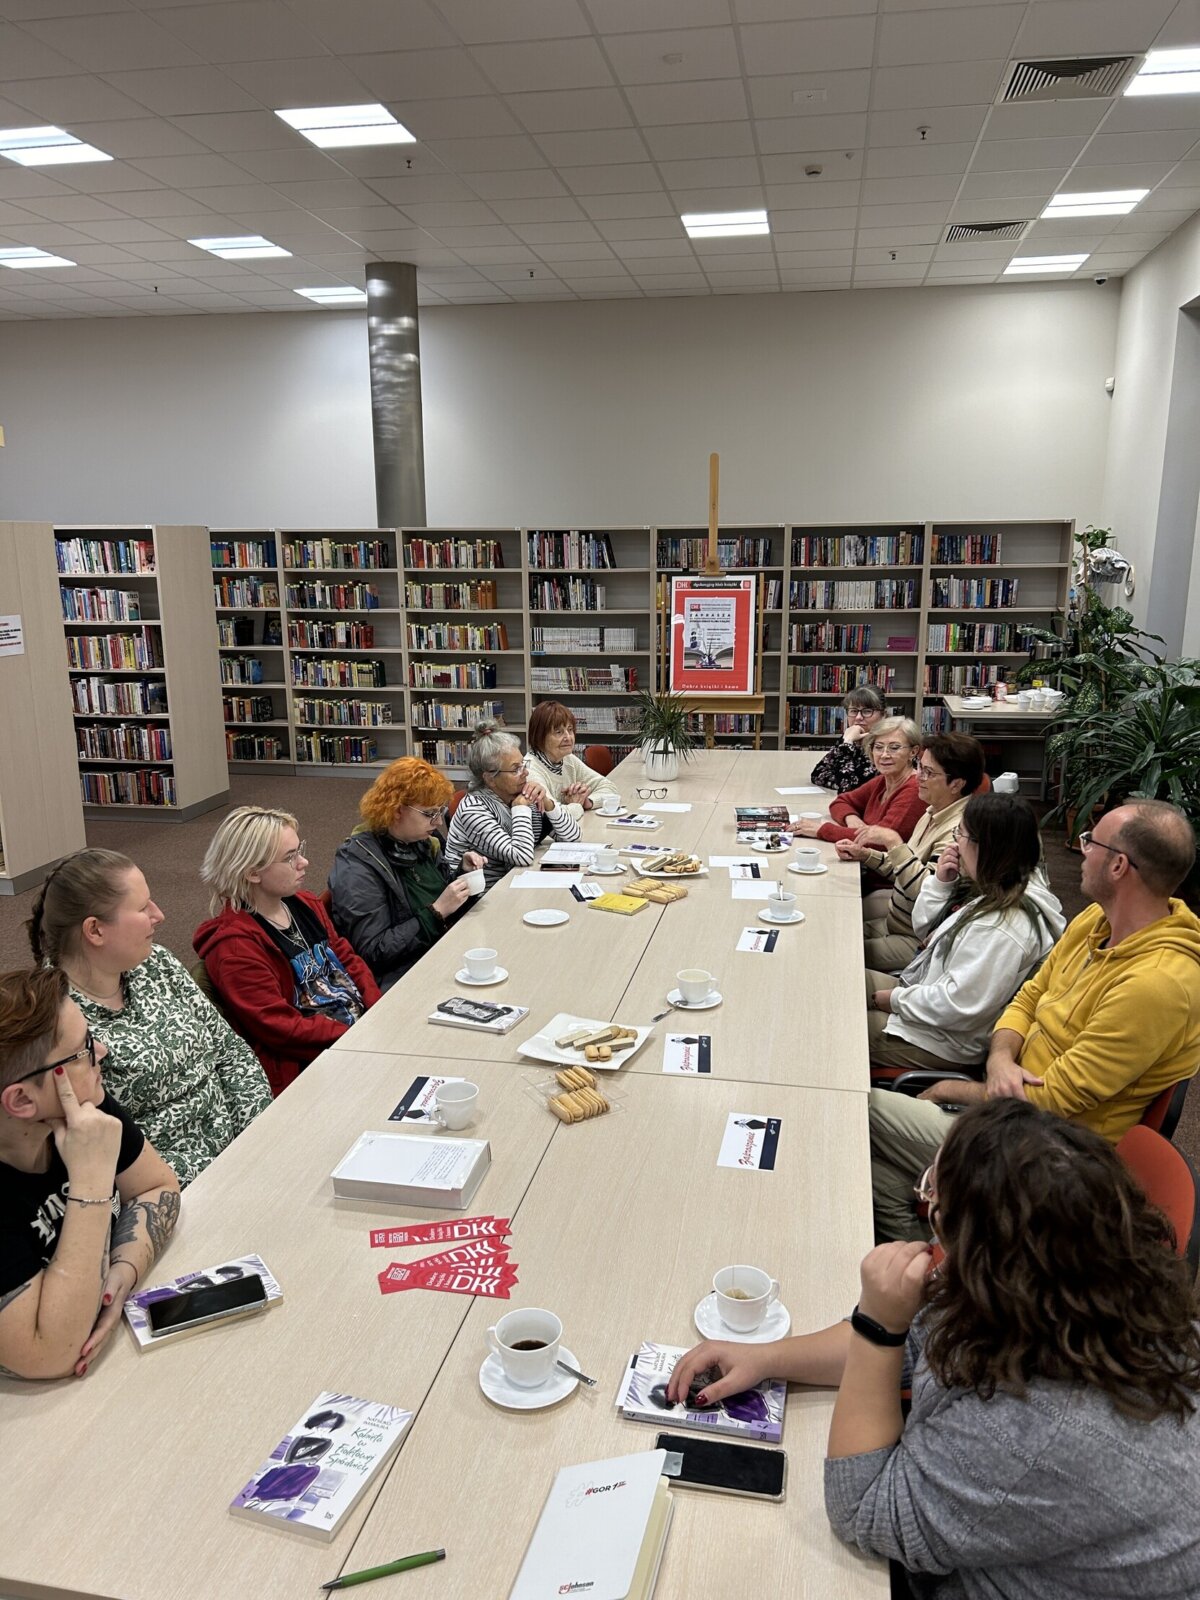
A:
(86, 1203)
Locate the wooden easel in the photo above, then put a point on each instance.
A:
(711, 706)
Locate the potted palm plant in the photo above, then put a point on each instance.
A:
(664, 733)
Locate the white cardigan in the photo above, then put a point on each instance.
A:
(573, 771)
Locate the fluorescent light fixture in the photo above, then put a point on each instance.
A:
(337, 127)
(46, 147)
(336, 295)
(724, 224)
(1103, 203)
(1168, 72)
(27, 256)
(241, 247)
(1041, 264)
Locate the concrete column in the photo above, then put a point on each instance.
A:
(393, 339)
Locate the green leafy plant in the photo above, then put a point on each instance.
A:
(663, 725)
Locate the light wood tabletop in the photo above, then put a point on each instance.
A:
(628, 1260)
(996, 711)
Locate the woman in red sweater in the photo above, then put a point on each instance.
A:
(892, 793)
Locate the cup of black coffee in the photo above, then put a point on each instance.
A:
(526, 1345)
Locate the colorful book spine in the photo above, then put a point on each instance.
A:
(970, 593)
(248, 708)
(343, 713)
(331, 635)
(580, 641)
(569, 549)
(150, 787)
(315, 595)
(691, 553)
(104, 555)
(829, 679)
(444, 553)
(243, 552)
(438, 714)
(566, 594)
(353, 554)
(241, 669)
(248, 594)
(319, 673)
(452, 674)
(100, 742)
(100, 605)
(966, 549)
(103, 698)
(880, 594)
(115, 652)
(479, 596)
(821, 637)
(337, 750)
(857, 549)
(457, 636)
(254, 747)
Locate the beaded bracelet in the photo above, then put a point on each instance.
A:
(80, 1201)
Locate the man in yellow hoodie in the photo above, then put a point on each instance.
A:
(1109, 1020)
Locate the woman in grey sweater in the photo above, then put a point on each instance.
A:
(504, 815)
(1053, 1449)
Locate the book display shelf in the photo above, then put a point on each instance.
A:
(41, 814)
(388, 642)
(141, 659)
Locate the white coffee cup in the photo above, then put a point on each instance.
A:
(480, 963)
(454, 1104)
(526, 1369)
(756, 1292)
(475, 881)
(780, 903)
(695, 985)
(1024, 698)
(608, 804)
(808, 857)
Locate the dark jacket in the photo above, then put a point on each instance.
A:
(371, 907)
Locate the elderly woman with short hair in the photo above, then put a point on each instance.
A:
(504, 815)
(553, 763)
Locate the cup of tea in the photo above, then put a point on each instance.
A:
(480, 963)
(808, 858)
(608, 805)
(475, 881)
(744, 1296)
(695, 985)
(454, 1104)
(526, 1344)
(781, 903)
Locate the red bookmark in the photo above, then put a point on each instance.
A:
(462, 1255)
(441, 1232)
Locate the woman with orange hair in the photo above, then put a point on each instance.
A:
(393, 894)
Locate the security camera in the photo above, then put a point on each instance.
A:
(1100, 279)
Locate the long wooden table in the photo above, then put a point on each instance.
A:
(120, 1482)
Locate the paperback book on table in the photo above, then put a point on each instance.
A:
(412, 1170)
(318, 1471)
(755, 1414)
(762, 819)
(137, 1316)
(601, 1533)
(479, 1016)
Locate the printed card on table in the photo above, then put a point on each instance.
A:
(757, 941)
(745, 870)
(733, 861)
(420, 1099)
(803, 788)
(667, 805)
(586, 891)
(754, 889)
(441, 1232)
(687, 1054)
(750, 1142)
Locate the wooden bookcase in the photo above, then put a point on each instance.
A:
(142, 665)
(41, 815)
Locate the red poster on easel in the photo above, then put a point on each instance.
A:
(712, 635)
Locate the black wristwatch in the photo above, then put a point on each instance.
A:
(875, 1331)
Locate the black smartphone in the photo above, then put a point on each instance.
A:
(723, 1468)
(241, 1298)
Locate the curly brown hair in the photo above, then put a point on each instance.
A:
(1056, 1267)
(407, 782)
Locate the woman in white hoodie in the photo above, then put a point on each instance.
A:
(986, 919)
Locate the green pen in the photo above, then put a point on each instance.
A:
(402, 1565)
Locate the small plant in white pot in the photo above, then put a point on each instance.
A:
(665, 735)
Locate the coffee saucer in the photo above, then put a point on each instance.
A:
(781, 922)
(768, 849)
(501, 1392)
(546, 919)
(809, 816)
(807, 872)
(773, 1326)
(676, 999)
(604, 872)
(621, 811)
(498, 976)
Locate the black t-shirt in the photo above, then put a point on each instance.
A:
(32, 1204)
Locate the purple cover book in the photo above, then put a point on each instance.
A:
(755, 1414)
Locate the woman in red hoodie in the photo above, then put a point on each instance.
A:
(288, 981)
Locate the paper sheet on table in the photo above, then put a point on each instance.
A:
(804, 788)
(666, 805)
(733, 861)
(544, 880)
(753, 888)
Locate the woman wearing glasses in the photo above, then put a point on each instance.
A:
(174, 1062)
(505, 814)
(553, 763)
(393, 894)
(890, 800)
(1053, 1444)
(286, 978)
(985, 918)
(848, 765)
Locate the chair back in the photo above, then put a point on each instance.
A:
(1164, 1111)
(599, 757)
(1169, 1181)
(456, 800)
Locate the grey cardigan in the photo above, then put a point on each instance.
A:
(1053, 1497)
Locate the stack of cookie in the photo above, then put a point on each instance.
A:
(581, 1099)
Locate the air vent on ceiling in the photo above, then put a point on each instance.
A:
(1085, 78)
(984, 230)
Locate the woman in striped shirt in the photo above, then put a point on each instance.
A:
(504, 815)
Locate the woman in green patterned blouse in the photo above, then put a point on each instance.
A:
(174, 1063)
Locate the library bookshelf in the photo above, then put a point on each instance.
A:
(141, 660)
(467, 623)
(41, 814)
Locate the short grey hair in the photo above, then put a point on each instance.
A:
(904, 726)
(486, 752)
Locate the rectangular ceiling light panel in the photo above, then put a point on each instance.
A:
(335, 296)
(339, 127)
(1042, 264)
(240, 247)
(46, 147)
(1102, 203)
(1168, 72)
(27, 256)
(724, 224)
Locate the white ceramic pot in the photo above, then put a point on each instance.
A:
(662, 768)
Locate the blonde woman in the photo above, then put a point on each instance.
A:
(289, 981)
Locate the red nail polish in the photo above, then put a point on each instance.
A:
(108, 1299)
(58, 1072)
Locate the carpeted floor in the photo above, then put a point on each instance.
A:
(169, 853)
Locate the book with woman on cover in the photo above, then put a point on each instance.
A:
(642, 1397)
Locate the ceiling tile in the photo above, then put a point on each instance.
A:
(487, 155)
(516, 185)
(62, 208)
(569, 109)
(17, 182)
(602, 288)
(605, 206)
(827, 44)
(893, 238)
(831, 188)
(130, 230)
(485, 22)
(810, 94)
(325, 192)
(598, 147)
(897, 191)
(539, 233)
(498, 262)
(109, 177)
(414, 187)
(1027, 155)
(659, 249)
(307, 81)
(584, 251)
(793, 134)
(785, 216)
(704, 53)
(386, 242)
(905, 255)
(1185, 176)
(351, 27)
(562, 209)
(144, 136)
(949, 125)
(238, 130)
(610, 180)
(24, 56)
(168, 205)
(1037, 186)
(191, 172)
(1089, 27)
(548, 64)
(1057, 238)
(483, 237)
(918, 161)
(475, 117)
(1170, 200)
(283, 166)
(238, 199)
(714, 100)
(816, 278)
(246, 30)
(797, 244)
(919, 88)
(1119, 149)
(667, 278)
(756, 277)
(1133, 175)
(972, 33)
(594, 267)
(1051, 119)
(642, 228)
(632, 16)
(793, 10)
(709, 141)
(904, 216)
(745, 198)
(419, 74)
(431, 214)
(175, 91)
(710, 174)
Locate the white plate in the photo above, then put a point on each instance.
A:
(708, 1319)
(546, 919)
(782, 922)
(809, 816)
(770, 849)
(807, 872)
(676, 877)
(502, 1393)
(541, 1046)
(498, 976)
(676, 999)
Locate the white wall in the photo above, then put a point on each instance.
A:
(967, 402)
(1152, 300)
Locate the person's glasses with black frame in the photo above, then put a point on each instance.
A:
(652, 794)
(1087, 840)
(88, 1050)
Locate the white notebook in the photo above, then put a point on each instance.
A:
(412, 1169)
(601, 1533)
